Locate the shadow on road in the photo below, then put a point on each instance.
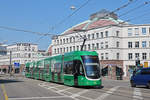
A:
(90, 87)
(5, 81)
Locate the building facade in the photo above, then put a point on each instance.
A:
(17, 55)
(118, 43)
(3, 50)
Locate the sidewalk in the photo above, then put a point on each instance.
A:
(106, 78)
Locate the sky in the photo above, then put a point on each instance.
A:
(44, 16)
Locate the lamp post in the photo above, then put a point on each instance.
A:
(10, 64)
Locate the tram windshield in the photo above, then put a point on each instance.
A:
(92, 68)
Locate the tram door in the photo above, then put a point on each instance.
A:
(77, 71)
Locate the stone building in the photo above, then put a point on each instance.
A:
(118, 43)
(17, 55)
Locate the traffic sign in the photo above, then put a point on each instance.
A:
(145, 64)
(17, 65)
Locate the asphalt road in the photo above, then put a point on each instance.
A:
(20, 88)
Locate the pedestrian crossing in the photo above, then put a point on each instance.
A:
(106, 93)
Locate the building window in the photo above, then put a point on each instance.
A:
(89, 47)
(80, 47)
(102, 46)
(136, 31)
(106, 44)
(97, 45)
(70, 49)
(117, 33)
(149, 43)
(106, 56)
(93, 36)
(33, 49)
(29, 55)
(129, 56)
(144, 44)
(57, 41)
(93, 46)
(136, 44)
(106, 33)
(117, 56)
(64, 50)
(73, 48)
(129, 31)
(73, 39)
(25, 48)
(67, 40)
(129, 44)
(117, 44)
(55, 51)
(102, 35)
(144, 31)
(97, 35)
(89, 36)
(60, 50)
(60, 41)
(67, 49)
(77, 48)
(64, 41)
(144, 56)
(137, 55)
(70, 39)
(84, 47)
(102, 56)
(149, 30)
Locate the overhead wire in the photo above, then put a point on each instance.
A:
(22, 30)
(121, 7)
(65, 19)
(117, 9)
(145, 3)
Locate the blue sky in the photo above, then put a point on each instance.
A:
(42, 15)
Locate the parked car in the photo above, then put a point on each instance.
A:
(141, 77)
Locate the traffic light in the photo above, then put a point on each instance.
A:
(137, 62)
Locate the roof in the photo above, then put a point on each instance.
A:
(94, 23)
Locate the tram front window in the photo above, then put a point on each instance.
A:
(92, 68)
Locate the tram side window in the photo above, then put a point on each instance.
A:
(57, 67)
(27, 69)
(68, 67)
(41, 70)
(52, 67)
(47, 68)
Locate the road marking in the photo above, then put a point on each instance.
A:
(4, 92)
(109, 92)
(65, 89)
(56, 90)
(79, 93)
(31, 98)
(137, 94)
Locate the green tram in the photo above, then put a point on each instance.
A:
(78, 68)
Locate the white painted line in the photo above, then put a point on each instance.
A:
(137, 94)
(79, 93)
(65, 89)
(31, 98)
(49, 87)
(54, 89)
(110, 91)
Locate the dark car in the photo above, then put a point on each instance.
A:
(141, 77)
